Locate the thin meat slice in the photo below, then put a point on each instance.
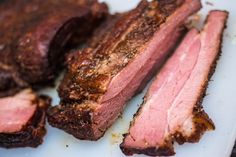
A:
(22, 119)
(33, 45)
(172, 109)
(100, 81)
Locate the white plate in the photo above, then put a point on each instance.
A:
(220, 104)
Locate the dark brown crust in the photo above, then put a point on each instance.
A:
(68, 22)
(28, 56)
(78, 71)
(77, 88)
(65, 116)
(33, 132)
(92, 70)
(165, 150)
(73, 120)
(99, 34)
(202, 122)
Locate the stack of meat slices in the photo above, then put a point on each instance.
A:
(101, 80)
(172, 109)
(121, 57)
(22, 119)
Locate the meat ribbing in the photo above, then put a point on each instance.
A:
(35, 36)
(172, 109)
(22, 119)
(100, 81)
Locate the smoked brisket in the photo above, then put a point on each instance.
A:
(99, 81)
(172, 108)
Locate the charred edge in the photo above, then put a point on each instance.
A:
(33, 132)
(90, 86)
(201, 120)
(165, 150)
(74, 120)
(92, 83)
(202, 123)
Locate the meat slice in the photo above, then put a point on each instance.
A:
(32, 45)
(22, 119)
(100, 81)
(172, 109)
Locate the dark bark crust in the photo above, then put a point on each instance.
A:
(33, 45)
(83, 84)
(75, 120)
(125, 40)
(150, 151)
(32, 133)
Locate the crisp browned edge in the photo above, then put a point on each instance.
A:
(85, 130)
(77, 122)
(33, 132)
(150, 151)
(201, 119)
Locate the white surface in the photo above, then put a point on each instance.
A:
(220, 104)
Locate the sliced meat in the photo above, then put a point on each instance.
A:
(100, 81)
(22, 119)
(32, 45)
(172, 109)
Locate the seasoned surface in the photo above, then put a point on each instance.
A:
(219, 104)
(33, 44)
(101, 80)
(93, 69)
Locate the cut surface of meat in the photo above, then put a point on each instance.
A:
(22, 119)
(172, 109)
(32, 45)
(100, 81)
(16, 111)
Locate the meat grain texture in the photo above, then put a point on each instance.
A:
(172, 108)
(100, 80)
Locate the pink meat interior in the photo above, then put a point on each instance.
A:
(123, 86)
(172, 96)
(16, 111)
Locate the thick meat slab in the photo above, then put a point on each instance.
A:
(101, 80)
(22, 119)
(172, 109)
(34, 36)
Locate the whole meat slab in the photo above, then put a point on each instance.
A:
(101, 80)
(35, 36)
(22, 119)
(172, 109)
